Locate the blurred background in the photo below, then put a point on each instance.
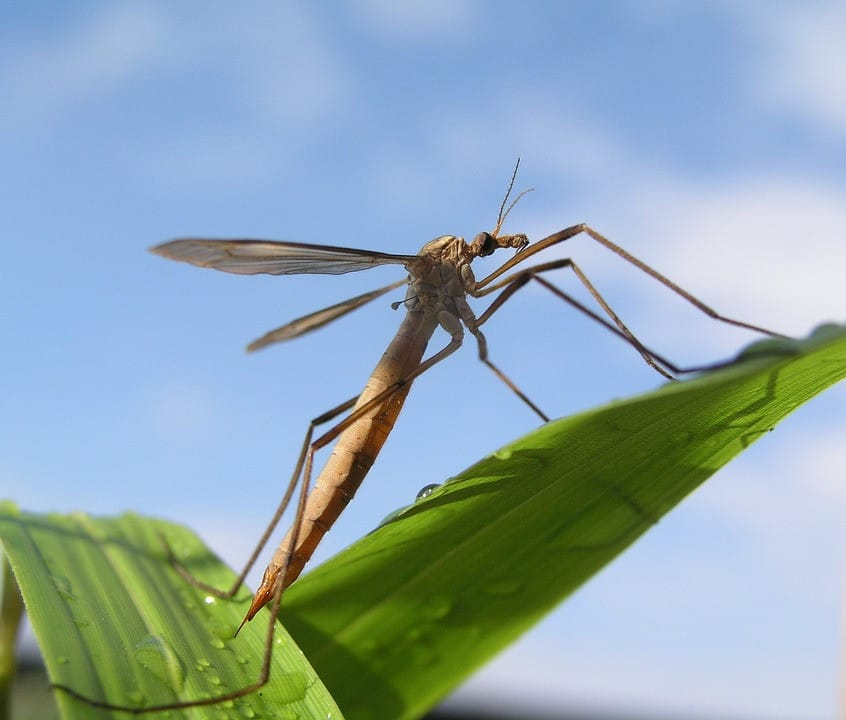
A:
(707, 138)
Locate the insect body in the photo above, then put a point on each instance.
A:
(439, 281)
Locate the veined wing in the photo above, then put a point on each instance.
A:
(318, 319)
(251, 257)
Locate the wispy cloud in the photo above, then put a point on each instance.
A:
(290, 66)
(769, 248)
(272, 70)
(790, 499)
(418, 21)
(597, 678)
(88, 59)
(802, 62)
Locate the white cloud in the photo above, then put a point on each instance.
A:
(762, 248)
(795, 490)
(291, 67)
(798, 50)
(272, 63)
(595, 679)
(825, 466)
(803, 61)
(418, 20)
(88, 60)
(769, 249)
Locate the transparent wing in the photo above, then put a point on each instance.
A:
(251, 257)
(318, 319)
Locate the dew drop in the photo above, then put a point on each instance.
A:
(156, 655)
(293, 687)
(426, 491)
(438, 606)
(503, 453)
(62, 660)
(218, 644)
(220, 713)
(135, 698)
(63, 587)
(210, 600)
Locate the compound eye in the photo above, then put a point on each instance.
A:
(487, 245)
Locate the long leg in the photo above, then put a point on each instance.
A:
(514, 282)
(302, 474)
(264, 673)
(287, 561)
(307, 451)
(640, 347)
(574, 230)
(271, 526)
(473, 326)
(516, 390)
(517, 280)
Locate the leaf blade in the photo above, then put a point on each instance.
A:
(451, 581)
(117, 623)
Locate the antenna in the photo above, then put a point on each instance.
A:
(503, 212)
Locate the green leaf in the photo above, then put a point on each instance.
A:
(117, 623)
(399, 619)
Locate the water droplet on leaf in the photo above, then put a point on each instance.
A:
(294, 686)
(156, 655)
(426, 491)
(63, 586)
(438, 606)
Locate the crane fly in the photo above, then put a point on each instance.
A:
(439, 281)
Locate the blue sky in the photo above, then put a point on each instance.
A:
(708, 139)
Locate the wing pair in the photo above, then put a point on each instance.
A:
(253, 257)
